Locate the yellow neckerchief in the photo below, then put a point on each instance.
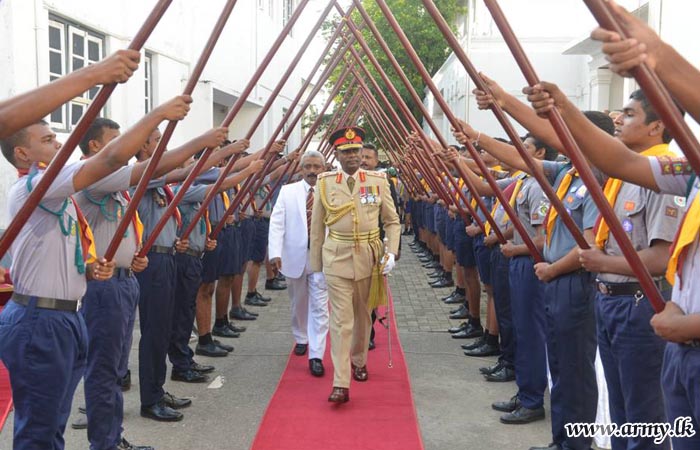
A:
(561, 193)
(687, 233)
(511, 200)
(612, 189)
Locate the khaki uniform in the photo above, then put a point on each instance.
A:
(347, 255)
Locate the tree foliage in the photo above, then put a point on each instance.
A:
(423, 34)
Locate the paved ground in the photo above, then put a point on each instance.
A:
(452, 400)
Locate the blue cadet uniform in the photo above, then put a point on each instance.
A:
(464, 244)
(189, 277)
(246, 237)
(156, 299)
(570, 315)
(482, 253)
(527, 301)
(681, 365)
(211, 267)
(630, 351)
(500, 273)
(258, 248)
(43, 339)
(109, 308)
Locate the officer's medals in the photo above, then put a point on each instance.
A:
(369, 195)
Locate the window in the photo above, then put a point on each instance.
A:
(148, 82)
(270, 8)
(287, 11)
(71, 48)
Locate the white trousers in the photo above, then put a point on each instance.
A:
(308, 296)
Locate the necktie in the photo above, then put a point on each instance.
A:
(612, 188)
(351, 183)
(686, 235)
(309, 208)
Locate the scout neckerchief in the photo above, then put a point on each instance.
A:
(118, 213)
(511, 191)
(563, 189)
(612, 189)
(85, 252)
(686, 235)
(170, 196)
(204, 224)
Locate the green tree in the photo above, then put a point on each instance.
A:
(421, 31)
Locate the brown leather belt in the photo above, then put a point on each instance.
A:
(56, 304)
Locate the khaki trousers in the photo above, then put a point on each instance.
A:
(350, 325)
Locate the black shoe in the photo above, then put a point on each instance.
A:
(280, 277)
(489, 369)
(254, 314)
(202, 368)
(260, 297)
(300, 349)
(458, 328)
(82, 409)
(211, 350)
(371, 345)
(439, 273)
(254, 301)
(224, 331)
(523, 415)
(235, 329)
(501, 376)
(507, 406)
(447, 297)
(227, 348)
(457, 299)
(275, 285)
(436, 281)
(484, 350)
(470, 332)
(431, 265)
(125, 383)
(461, 314)
(161, 412)
(125, 445)
(551, 446)
(442, 283)
(460, 309)
(189, 376)
(175, 402)
(80, 422)
(241, 314)
(474, 344)
(316, 367)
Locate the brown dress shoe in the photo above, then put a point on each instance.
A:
(339, 395)
(359, 373)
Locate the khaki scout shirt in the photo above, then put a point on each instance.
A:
(345, 259)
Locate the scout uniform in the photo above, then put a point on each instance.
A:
(570, 314)
(156, 298)
(211, 266)
(681, 366)
(630, 351)
(351, 252)
(188, 279)
(527, 300)
(262, 223)
(43, 339)
(109, 308)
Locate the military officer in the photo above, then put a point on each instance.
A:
(349, 203)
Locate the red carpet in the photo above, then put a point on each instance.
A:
(379, 416)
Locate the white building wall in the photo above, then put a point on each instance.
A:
(175, 45)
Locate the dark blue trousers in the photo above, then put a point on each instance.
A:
(681, 384)
(129, 337)
(482, 255)
(527, 304)
(156, 301)
(500, 271)
(571, 348)
(632, 356)
(45, 352)
(106, 308)
(189, 277)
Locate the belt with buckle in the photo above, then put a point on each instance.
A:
(56, 304)
(162, 249)
(123, 272)
(618, 289)
(193, 252)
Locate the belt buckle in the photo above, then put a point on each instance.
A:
(603, 288)
(78, 304)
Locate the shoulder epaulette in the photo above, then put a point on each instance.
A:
(674, 165)
(375, 173)
(325, 174)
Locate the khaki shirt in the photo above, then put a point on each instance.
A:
(645, 216)
(345, 259)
